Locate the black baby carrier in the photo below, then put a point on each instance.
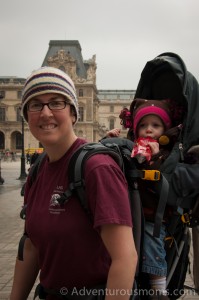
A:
(166, 77)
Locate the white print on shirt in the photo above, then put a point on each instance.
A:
(54, 200)
(59, 187)
(54, 207)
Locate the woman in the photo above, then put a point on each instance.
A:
(70, 252)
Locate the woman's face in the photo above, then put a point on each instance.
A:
(150, 126)
(50, 126)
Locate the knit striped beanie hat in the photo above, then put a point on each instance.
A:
(48, 80)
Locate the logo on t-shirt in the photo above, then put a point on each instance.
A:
(54, 200)
(55, 207)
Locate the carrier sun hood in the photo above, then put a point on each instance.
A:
(189, 90)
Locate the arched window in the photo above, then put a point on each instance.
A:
(18, 140)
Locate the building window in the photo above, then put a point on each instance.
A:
(111, 124)
(19, 94)
(18, 140)
(2, 141)
(2, 94)
(80, 133)
(18, 114)
(2, 114)
(81, 114)
(62, 68)
(112, 108)
(81, 93)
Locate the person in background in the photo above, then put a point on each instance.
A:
(70, 251)
(195, 239)
(33, 158)
(28, 158)
(192, 157)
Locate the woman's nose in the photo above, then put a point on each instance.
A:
(46, 111)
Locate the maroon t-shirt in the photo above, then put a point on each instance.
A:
(71, 252)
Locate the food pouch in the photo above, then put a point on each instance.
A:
(142, 150)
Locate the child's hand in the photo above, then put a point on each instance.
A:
(114, 132)
(154, 147)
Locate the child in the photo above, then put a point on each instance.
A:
(151, 119)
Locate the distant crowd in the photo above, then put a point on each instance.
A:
(30, 158)
(8, 156)
(11, 156)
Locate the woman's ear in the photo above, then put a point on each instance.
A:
(73, 119)
(73, 114)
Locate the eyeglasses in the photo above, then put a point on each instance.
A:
(53, 105)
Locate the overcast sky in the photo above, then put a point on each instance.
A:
(124, 35)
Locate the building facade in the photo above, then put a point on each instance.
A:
(111, 104)
(99, 109)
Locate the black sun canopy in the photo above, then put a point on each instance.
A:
(165, 77)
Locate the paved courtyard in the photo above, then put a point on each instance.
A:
(11, 228)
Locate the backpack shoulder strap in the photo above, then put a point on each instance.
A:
(76, 170)
(35, 167)
(32, 175)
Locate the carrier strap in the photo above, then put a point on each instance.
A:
(190, 220)
(161, 206)
(138, 223)
(153, 175)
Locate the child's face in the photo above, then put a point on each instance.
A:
(150, 126)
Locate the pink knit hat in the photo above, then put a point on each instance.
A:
(143, 107)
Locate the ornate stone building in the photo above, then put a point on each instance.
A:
(10, 120)
(111, 104)
(99, 109)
